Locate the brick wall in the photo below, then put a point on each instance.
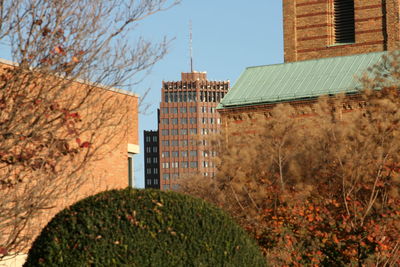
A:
(111, 118)
(308, 28)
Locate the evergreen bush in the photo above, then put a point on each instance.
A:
(143, 228)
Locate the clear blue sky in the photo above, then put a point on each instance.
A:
(228, 36)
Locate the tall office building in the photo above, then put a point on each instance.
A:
(187, 117)
(151, 162)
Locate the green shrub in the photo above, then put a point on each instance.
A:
(143, 228)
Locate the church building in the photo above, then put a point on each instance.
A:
(327, 43)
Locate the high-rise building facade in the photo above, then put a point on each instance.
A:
(151, 160)
(187, 117)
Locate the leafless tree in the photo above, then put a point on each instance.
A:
(56, 112)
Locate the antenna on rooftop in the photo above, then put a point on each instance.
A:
(191, 45)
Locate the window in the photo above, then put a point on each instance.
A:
(131, 178)
(175, 176)
(148, 149)
(184, 142)
(192, 120)
(164, 121)
(193, 164)
(164, 132)
(155, 160)
(204, 120)
(175, 154)
(164, 110)
(155, 181)
(155, 149)
(148, 171)
(174, 110)
(149, 182)
(218, 121)
(174, 164)
(175, 186)
(204, 131)
(155, 170)
(184, 164)
(166, 186)
(155, 138)
(166, 176)
(193, 131)
(184, 131)
(165, 165)
(212, 120)
(165, 142)
(148, 160)
(203, 109)
(183, 110)
(148, 139)
(184, 153)
(212, 110)
(205, 153)
(344, 24)
(205, 164)
(192, 109)
(174, 142)
(193, 153)
(165, 154)
(184, 121)
(174, 132)
(174, 121)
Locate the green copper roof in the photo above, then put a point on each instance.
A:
(298, 80)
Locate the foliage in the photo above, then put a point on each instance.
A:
(319, 183)
(143, 228)
(57, 115)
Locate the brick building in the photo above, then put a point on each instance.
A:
(115, 136)
(326, 44)
(187, 116)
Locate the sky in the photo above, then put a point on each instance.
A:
(228, 36)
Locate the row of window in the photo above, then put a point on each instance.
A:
(184, 110)
(168, 176)
(205, 96)
(186, 164)
(173, 132)
(184, 143)
(155, 181)
(150, 160)
(149, 171)
(185, 153)
(175, 121)
(167, 187)
(150, 149)
(175, 154)
(193, 85)
(149, 138)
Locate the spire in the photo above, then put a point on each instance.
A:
(191, 46)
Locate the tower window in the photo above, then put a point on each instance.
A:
(344, 25)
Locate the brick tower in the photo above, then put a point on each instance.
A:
(187, 116)
(329, 28)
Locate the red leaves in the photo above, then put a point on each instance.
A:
(81, 144)
(59, 50)
(3, 251)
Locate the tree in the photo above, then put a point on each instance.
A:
(55, 116)
(319, 184)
